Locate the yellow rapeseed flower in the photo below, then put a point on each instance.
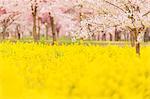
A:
(38, 71)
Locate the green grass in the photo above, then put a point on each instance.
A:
(65, 40)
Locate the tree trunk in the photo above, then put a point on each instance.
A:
(110, 36)
(18, 32)
(35, 36)
(54, 36)
(138, 48)
(116, 34)
(3, 35)
(3, 32)
(132, 38)
(136, 42)
(46, 26)
(146, 35)
(39, 29)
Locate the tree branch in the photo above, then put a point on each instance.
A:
(115, 6)
(146, 14)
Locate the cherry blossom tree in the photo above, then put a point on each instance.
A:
(79, 19)
(7, 16)
(134, 15)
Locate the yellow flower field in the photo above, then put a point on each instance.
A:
(38, 71)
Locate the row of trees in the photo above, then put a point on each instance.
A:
(131, 15)
(136, 15)
(76, 18)
(28, 16)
